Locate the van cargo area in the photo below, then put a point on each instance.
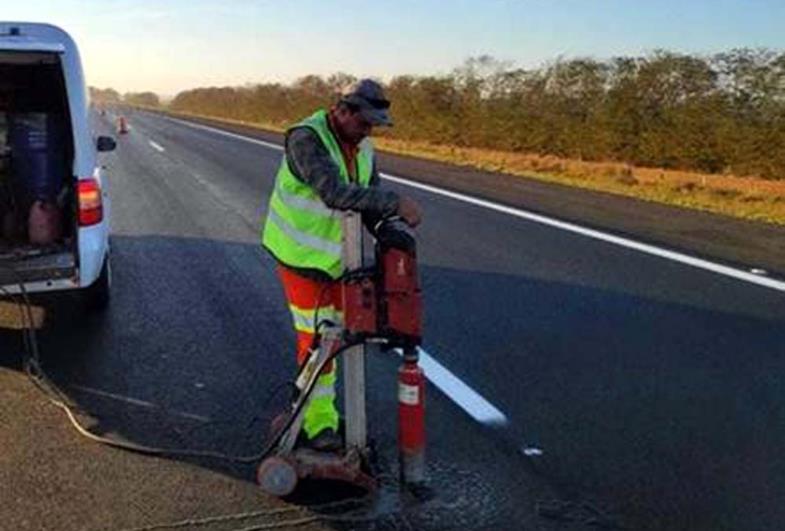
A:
(38, 211)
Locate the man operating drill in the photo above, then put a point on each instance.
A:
(328, 167)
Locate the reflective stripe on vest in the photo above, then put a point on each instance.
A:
(315, 206)
(303, 238)
(301, 231)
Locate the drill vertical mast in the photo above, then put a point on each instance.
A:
(354, 358)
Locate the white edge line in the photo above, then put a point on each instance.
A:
(137, 402)
(609, 238)
(156, 146)
(464, 396)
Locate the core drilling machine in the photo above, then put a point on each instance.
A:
(381, 304)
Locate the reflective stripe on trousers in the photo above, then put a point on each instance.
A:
(304, 317)
(304, 295)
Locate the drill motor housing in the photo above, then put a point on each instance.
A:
(385, 301)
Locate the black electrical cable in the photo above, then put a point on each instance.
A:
(39, 378)
(32, 363)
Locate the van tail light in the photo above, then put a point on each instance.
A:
(91, 209)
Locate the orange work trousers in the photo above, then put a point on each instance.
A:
(308, 301)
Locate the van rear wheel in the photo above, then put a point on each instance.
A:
(97, 294)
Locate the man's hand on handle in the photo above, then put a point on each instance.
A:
(409, 210)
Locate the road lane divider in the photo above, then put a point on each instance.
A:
(156, 146)
(227, 134)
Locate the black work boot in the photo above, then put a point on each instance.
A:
(326, 440)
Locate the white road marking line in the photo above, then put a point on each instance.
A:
(464, 396)
(531, 451)
(137, 402)
(227, 134)
(609, 238)
(156, 146)
(707, 265)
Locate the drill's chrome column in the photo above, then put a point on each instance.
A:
(354, 358)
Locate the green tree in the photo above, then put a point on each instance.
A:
(720, 113)
(149, 99)
(104, 96)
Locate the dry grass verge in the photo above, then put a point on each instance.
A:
(742, 197)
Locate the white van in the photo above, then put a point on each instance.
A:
(54, 206)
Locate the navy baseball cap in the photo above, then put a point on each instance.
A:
(368, 97)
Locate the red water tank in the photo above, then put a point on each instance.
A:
(45, 223)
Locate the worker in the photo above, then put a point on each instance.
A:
(328, 167)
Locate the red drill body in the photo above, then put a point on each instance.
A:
(402, 299)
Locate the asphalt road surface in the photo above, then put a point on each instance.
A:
(643, 382)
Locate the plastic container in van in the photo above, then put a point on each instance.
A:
(37, 143)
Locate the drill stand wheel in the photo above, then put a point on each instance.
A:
(278, 475)
(286, 464)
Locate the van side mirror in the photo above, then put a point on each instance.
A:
(105, 143)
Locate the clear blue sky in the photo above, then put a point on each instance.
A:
(135, 45)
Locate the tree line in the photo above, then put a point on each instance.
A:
(111, 96)
(722, 113)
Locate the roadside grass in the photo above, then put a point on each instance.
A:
(742, 197)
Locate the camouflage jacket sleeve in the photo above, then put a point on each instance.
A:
(310, 162)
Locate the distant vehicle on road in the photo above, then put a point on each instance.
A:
(54, 203)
